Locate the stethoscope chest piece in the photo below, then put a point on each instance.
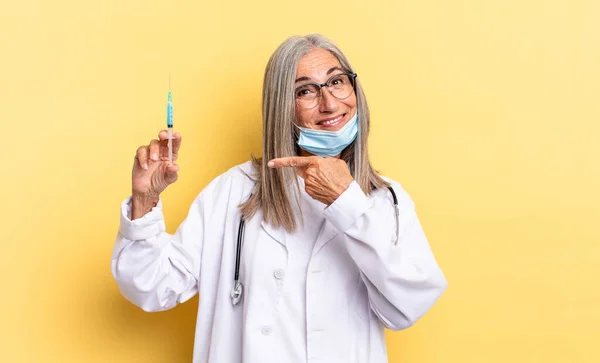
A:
(237, 293)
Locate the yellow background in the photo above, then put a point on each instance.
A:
(486, 111)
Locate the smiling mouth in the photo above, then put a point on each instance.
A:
(332, 122)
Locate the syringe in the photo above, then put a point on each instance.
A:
(170, 122)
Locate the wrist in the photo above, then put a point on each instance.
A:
(141, 204)
(344, 186)
(339, 190)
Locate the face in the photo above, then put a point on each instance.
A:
(331, 113)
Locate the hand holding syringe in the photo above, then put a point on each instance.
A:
(155, 167)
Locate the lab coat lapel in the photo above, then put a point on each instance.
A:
(327, 233)
(277, 234)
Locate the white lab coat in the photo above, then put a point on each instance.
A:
(358, 281)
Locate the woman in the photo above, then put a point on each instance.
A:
(322, 261)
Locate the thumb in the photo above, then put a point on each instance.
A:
(171, 173)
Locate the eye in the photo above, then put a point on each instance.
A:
(305, 91)
(338, 80)
(302, 92)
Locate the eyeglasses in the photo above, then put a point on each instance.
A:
(339, 85)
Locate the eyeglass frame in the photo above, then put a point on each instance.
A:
(351, 75)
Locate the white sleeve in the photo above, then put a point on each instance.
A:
(403, 280)
(153, 269)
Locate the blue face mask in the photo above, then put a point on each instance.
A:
(328, 143)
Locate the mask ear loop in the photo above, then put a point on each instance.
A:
(296, 136)
(295, 132)
(296, 128)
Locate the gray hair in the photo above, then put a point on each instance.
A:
(276, 188)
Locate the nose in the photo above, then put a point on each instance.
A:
(328, 102)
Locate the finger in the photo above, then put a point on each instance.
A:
(311, 172)
(176, 143)
(172, 168)
(142, 156)
(154, 149)
(171, 173)
(163, 136)
(292, 161)
(301, 172)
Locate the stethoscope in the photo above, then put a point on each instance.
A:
(238, 288)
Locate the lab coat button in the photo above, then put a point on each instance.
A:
(266, 330)
(279, 274)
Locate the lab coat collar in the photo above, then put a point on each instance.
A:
(277, 234)
(328, 232)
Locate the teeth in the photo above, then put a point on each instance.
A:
(332, 121)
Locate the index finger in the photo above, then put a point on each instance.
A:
(291, 161)
(164, 135)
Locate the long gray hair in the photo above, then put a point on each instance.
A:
(276, 188)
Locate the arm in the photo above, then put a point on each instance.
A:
(403, 280)
(153, 269)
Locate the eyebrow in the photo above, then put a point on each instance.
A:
(328, 73)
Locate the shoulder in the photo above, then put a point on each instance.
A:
(240, 178)
(400, 193)
(242, 174)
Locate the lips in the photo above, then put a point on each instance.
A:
(332, 122)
